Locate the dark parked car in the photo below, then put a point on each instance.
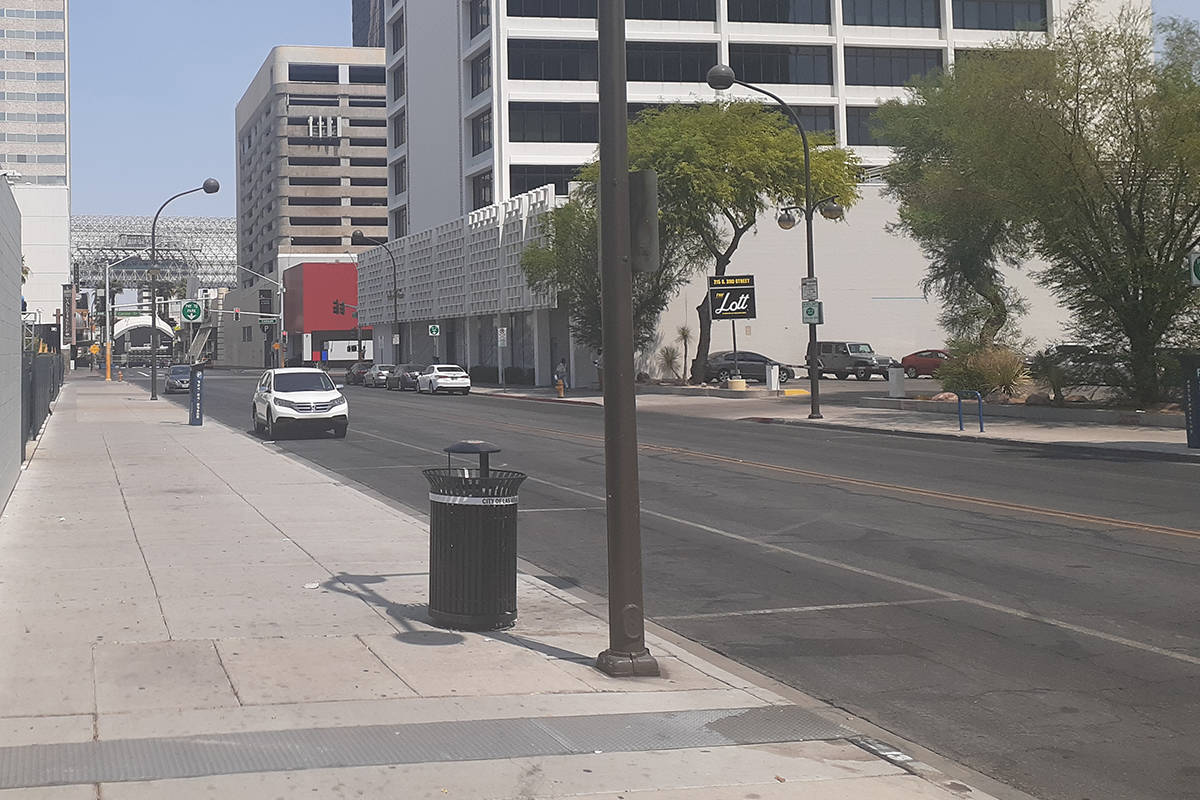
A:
(923, 362)
(404, 377)
(355, 372)
(179, 379)
(753, 366)
(377, 375)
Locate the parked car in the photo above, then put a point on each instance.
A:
(924, 362)
(404, 377)
(298, 397)
(354, 372)
(444, 378)
(859, 359)
(377, 375)
(179, 379)
(752, 366)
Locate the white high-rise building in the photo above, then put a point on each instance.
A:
(35, 143)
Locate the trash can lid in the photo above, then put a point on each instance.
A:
(472, 446)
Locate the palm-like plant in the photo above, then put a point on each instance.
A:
(668, 360)
(683, 335)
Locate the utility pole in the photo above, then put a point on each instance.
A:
(626, 654)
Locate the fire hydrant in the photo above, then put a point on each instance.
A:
(560, 387)
(120, 374)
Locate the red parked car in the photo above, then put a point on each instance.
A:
(923, 362)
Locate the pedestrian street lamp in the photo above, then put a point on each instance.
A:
(210, 186)
(722, 77)
(360, 238)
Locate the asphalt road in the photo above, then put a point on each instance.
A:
(1032, 613)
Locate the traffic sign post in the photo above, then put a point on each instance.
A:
(808, 289)
(435, 330)
(191, 311)
(812, 312)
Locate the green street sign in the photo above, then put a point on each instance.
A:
(812, 312)
(1194, 267)
(435, 330)
(129, 313)
(191, 311)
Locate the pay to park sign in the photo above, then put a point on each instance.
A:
(731, 296)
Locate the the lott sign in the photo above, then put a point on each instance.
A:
(731, 296)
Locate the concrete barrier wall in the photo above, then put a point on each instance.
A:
(10, 342)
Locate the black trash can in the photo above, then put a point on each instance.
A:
(473, 543)
(1191, 397)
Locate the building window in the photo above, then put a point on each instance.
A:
(51, 97)
(1000, 15)
(803, 12)
(669, 63)
(858, 126)
(527, 178)
(398, 33)
(539, 60)
(554, 122)
(686, 10)
(314, 161)
(481, 133)
(400, 176)
(894, 13)
(888, 66)
(781, 63)
(51, 35)
(43, 76)
(247, 333)
(481, 16)
(367, 74)
(51, 56)
(815, 119)
(313, 73)
(314, 181)
(368, 162)
(400, 128)
(399, 222)
(368, 181)
(481, 191)
(481, 73)
(399, 81)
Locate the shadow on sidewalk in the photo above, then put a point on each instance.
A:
(405, 614)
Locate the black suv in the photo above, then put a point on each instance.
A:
(354, 372)
(752, 366)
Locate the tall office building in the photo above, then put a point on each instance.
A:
(34, 143)
(367, 23)
(491, 98)
(311, 169)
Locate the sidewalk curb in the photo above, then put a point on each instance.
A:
(565, 400)
(1092, 449)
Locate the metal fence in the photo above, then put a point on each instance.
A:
(41, 380)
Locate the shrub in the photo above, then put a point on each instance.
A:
(668, 361)
(985, 370)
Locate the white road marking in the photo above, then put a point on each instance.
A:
(870, 573)
(144, 374)
(802, 609)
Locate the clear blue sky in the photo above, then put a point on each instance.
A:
(154, 84)
(153, 88)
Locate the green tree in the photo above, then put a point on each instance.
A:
(1086, 148)
(567, 265)
(720, 166)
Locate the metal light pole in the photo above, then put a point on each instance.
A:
(360, 238)
(108, 318)
(721, 77)
(626, 654)
(210, 186)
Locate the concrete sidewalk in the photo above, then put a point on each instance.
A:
(187, 612)
(1132, 439)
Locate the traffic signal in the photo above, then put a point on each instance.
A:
(335, 306)
(264, 301)
(237, 314)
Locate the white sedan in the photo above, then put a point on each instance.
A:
(444, 378)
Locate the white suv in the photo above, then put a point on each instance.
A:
(298, 397)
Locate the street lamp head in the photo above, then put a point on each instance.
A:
(358, 237)
(832, 209)
(786, 219)
(721, 77)
(211, 186)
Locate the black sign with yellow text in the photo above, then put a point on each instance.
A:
(731, 296)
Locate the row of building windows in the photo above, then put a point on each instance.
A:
(33, 76)
(307, 200)
(481, 133)
(22, 13)
(30, 138)
(19, 116)
(40, 180)
(42, 97)
(535, 59)
(24, 158)
(365, 222)
(329, 73)
(57, 36)
(580, 122)
(968, 14)
(30, 55)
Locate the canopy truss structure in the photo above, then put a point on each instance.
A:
(204, 248)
